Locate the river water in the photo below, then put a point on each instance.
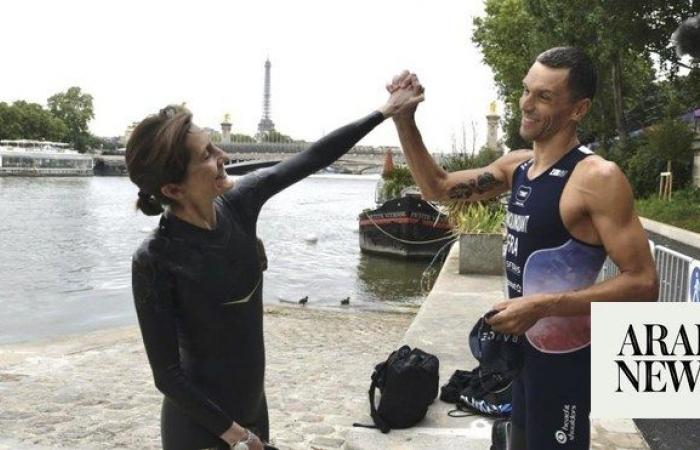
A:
(66, 245)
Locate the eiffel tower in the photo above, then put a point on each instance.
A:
(266, 124)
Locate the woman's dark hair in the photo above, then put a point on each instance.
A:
(687, 37)
(582, 74)
(156, 155)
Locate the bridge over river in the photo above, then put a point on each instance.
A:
(359, 160)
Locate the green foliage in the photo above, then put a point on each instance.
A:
(473, 217)
(682, 92)
(683, 210)
(106, 144)
(397, 180)
(477, 217)
(276, 137)
(75, 109)
(242, 138)
(509, 50)
(643, 159)
(464, 161)
(672, 140)
(642, 168)
(22, 120)
(613, 33)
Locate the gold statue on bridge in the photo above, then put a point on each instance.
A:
(492, 108)
(227, 118)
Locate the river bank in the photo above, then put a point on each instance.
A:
(95, 390)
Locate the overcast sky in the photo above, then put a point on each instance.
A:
(330, 61)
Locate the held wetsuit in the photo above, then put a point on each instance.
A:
(198, 297)
(551, 396)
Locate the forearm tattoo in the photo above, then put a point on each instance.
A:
(479, 185)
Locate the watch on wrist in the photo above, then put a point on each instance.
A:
(243, 443)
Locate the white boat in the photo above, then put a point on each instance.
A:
(24, 157)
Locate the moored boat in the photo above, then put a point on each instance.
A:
(407, 226)
(27, 158)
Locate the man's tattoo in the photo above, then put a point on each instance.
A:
(482, 184)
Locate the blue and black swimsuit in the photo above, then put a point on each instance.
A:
(198, 297)
(551, 397)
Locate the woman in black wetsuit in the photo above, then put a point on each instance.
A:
(197, 279)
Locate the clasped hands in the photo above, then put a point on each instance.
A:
(405, 93)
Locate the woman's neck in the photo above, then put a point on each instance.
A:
(202, 216)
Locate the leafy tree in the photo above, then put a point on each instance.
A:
(242, 138)
(464, 161)
(672, 140)
(508, 47)
(76, 110)
(667, 143)
(276, 137)
(624, 39)
(22, 120)
(106, 144)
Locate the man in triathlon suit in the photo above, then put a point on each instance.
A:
(568, 209)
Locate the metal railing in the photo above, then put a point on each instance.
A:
(672, 268)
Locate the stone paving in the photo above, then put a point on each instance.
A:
(619, 434)
(95, 391)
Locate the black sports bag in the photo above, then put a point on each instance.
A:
(408, 383)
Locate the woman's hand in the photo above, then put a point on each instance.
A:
(237, 434)
(406, 92)
(252, 443)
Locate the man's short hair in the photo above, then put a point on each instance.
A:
(582, 75)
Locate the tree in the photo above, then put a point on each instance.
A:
(508, 47)
(672, 141)
(618, 35)
(276, 137)
(625, 40)
(242, 138)
(22, 120)
(76, 110)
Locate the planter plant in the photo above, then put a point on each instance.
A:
(481, 232)
(393, 182)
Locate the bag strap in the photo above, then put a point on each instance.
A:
(378, 421)
(460, 411)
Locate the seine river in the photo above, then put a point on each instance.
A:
(66, 245)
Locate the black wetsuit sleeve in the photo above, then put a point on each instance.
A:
(154, 308)
(256, 188)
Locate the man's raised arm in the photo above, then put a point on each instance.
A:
(467, 185)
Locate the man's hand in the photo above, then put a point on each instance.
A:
(409, 81)
(403, 99)
(517, 316)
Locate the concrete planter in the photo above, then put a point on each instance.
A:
(481, 254)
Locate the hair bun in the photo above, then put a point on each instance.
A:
(148, 204)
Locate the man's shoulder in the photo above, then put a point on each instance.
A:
(597, 171)
(601, 183)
